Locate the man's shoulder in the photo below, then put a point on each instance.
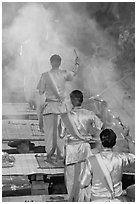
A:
(60, 71)
(86, 111)
(63, 71)
(44, 74)
(120, 155)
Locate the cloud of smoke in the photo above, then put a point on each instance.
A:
(98, 73)
(42, 29)
(30, 40)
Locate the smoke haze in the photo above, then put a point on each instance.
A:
(32, 32)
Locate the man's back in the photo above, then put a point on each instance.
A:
(59, 76)
(86, 121)
(114, 162)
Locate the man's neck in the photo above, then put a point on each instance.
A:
(77, 107)
(55, 68)
(107, 149)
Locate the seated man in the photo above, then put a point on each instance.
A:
(25, 147)
(80, 127)
(102, 173)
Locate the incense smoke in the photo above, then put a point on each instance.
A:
(32, 32)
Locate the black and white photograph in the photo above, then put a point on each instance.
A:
(68, 101)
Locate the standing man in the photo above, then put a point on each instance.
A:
(102, 173)
(81, 126)
(52, 84)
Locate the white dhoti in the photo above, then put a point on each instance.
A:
(51, 116)
(75, 156)
(52, 140)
